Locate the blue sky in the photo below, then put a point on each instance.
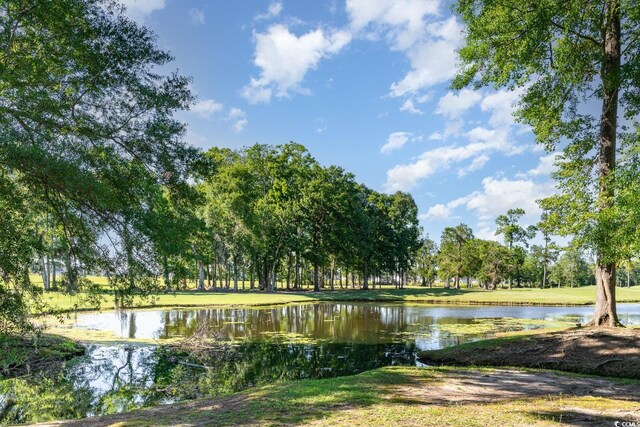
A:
(363, 84)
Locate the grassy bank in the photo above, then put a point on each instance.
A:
(607, 352)
(19, 355)
(555, 296)
(406, 396)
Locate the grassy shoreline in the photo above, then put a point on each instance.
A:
(607, 352)
(414, 295)
(409, 396)
(25, 354)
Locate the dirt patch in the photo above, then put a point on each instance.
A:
(609, 352)
(443, 387)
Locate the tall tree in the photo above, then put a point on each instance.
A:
(513, 233)
(85, 113)
(564, 55)
(452, 255)
(425, 264)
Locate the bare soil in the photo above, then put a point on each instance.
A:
(451, 386)
(611, 352)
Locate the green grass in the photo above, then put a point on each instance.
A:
(389, 396)
(21, 354)
(521, 296)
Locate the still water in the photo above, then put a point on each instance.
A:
(259, 346)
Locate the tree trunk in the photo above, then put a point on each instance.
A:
(605, 309)
(289, 261)
(235, 273)
(165, 274)
(54, 281)
(333, 266)
(365, 286)
(45, 274)
(251, 270)
(72, 275)
(200, 275)
(316, 281)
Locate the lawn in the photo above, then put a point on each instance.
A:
(519, 296)
(407, 396)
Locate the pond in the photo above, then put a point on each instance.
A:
(259, 346)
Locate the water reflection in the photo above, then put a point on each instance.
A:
(262, 346)
(336, 322)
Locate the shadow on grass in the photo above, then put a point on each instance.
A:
(614, 353)
(304, 402)
(577, 417)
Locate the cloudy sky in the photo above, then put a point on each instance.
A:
(363, 84)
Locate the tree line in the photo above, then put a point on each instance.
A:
(463, 260)
(270, 214)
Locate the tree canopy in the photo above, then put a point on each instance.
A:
(576, 64)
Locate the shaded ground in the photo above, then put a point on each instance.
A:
(408, 396)
(21, 355)
(607, 352)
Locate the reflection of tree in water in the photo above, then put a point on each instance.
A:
(258, 363)
(329, 339)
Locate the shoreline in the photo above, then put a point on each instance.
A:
(566, 297)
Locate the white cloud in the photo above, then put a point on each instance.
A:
(438, 211)
(477, 164)
(409, 107)
(139, 9)
(501, 104)
(395, 141)
(498, 195)
(239, 119)
(197, 16)
(206, 108)
(453, 128)
(406, 176)
(274, 10)
(452, 105)
(284, 58)
(432, 61)
(501, 194)
(401, 20)
(441, 211)
(546, 165)
(196, 140)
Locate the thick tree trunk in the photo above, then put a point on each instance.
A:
(200, 275)
(72, 275)
(605, 309)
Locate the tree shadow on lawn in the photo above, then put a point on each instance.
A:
(607, 352)
(303, 402)
(577, 417)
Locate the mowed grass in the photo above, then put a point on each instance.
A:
(391, 396)
(191, 298)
